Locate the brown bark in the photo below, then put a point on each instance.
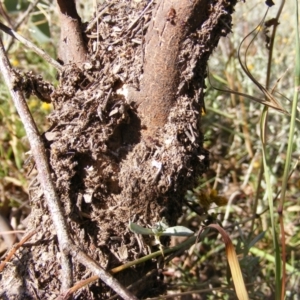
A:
(72, 47)
(173, 20)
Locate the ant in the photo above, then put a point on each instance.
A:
(171, 16)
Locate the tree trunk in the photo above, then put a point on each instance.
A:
(125, 141)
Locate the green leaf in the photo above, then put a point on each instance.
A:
(161, 230)
(177, 231)
(139, 229)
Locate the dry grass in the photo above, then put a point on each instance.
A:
(233, 137)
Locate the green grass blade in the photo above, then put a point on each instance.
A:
(293, 114)
(269, 192)
(288, 160)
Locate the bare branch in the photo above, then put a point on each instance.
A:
(39, 154)
(175, 25)
(15, 248)
(32, 47)
(173, 21)
(20, 20)
(72, 48)
(84, 259)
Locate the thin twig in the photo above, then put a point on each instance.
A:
(17, 246)
(4, 14)
(44, 175)
(23, 17)
(84, 259)
(39, 154)
(96, 19)
(141, 14)
(20, 20)
(32, 47)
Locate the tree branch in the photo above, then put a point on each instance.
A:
(178, 43)
(172, 21)
(20, 20)
(72, 48)
(32, 47)
(39, 154)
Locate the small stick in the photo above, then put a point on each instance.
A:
(14, 249)
(96, 19)
(20, 20)
(32, 47)
(142, 13)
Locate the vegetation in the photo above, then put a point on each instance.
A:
(252, 185)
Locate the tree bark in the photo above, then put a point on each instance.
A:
(72, 48)
(172, 22)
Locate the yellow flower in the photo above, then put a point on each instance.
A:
(46, 106)
(14, 62)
